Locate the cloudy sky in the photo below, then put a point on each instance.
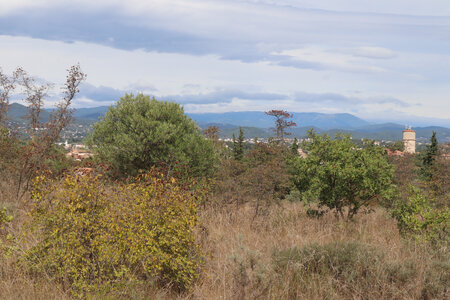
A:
(380, 60)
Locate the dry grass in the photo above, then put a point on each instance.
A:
(239, 258)
(241, 253)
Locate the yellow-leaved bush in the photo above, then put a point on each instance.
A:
(93, 236)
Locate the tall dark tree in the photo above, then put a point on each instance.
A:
(238, 145)
(430, 156)
(282, 122)
(294, 147)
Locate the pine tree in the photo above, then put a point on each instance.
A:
(430, 156)
(238, 146)
(233, 139)
(294, 147)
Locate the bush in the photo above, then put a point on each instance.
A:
(419, 218)
(140, 133)
(5, 237)
(93, 237)
(260, 178)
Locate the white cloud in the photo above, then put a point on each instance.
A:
(337, 60)
(176, 47)
(369, 52)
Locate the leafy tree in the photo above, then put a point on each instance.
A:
(281, 122)
(342, 177)
(139, 133)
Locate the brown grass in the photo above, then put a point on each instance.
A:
(240, 252)
(240, 262)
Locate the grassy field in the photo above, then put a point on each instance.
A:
(281, 255)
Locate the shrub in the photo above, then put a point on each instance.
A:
(5, 237)
(419, 218)
(95, 237)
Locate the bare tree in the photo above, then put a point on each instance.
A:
(35, 94)
(7, 85)
(36, 150)
(62, 116)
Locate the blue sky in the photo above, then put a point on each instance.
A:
(380, 60)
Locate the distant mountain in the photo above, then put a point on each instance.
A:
(261, 120)
(92, 114)
(249, 132)
(259, 124)
(17, 113)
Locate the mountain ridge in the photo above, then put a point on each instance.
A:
(259, 124)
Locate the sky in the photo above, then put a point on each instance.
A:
(385, 60)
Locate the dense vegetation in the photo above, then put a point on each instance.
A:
(168, 213)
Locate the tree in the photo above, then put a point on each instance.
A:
(294, 147)
(238, 145)
(140, 133)
(430, 157)
(212, 133)
(398, 145)
(281, 122)
(340, 176)
(36, 152)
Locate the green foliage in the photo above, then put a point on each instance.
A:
(398, 145)
(261, 178)
(238, 145)
(9, 148)
(265, 178)
(92, 237)
(429, 157)
(294, 147)
(5, 237)
(342, 177)
(139, 133)
(419, 218)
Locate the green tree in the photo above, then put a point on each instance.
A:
(139, 133)
(340, 176)
(429, 157)
(398, 145)
(294, 147)
(238, 145)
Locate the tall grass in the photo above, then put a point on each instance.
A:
(281, 254)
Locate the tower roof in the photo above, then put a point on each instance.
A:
(409, 130)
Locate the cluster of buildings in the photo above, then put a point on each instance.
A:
(77, 151)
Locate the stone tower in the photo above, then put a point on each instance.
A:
(409, 141)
